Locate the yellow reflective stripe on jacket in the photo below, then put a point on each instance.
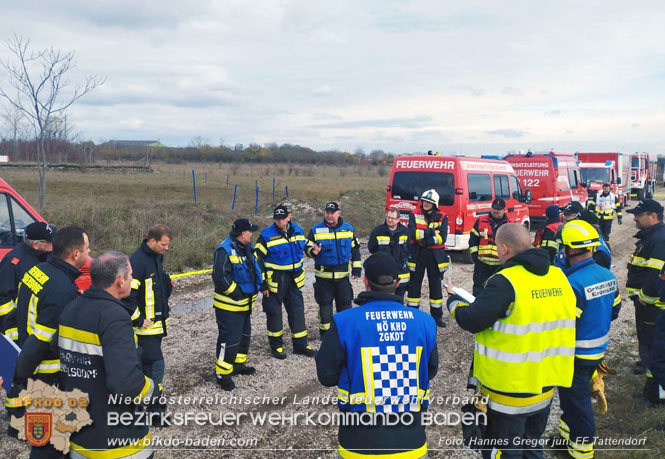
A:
(41, 332)
(646, 299)
(80, 341)
(300, 280)
(535, 344)
(136, 284)
(383, 240)
(473, 249)
(261, 249)
(48, 366)
(14, 402)
(147, 390)
(155, 329)
(136, 314)
(12, 333)
(140, 449)
(289, 267)
(149, 300)
(654, 263)
(6, 308)
(231, 288)
(228, 304)
(333, 235)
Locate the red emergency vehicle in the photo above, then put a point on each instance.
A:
(553, 178)
(15, 215)
(642, 176)
(466, 186)
(600, 168)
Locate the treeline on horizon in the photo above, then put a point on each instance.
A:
(65, 152)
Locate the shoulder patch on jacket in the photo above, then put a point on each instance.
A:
(15, 261)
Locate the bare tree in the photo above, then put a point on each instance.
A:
(14, 120)
(42, 93)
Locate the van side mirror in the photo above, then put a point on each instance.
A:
(526, 197)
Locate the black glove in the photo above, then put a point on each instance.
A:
(472, 433)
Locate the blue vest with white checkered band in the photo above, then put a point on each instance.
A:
(336, 244)
(242, 275)
(596, 290)
(388, 346)
(285, 253)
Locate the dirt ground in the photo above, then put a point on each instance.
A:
(288, 385)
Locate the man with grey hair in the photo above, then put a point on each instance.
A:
(393, 237)
(524, 326)
(98, 356)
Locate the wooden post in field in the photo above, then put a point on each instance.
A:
(273, 189)
(286, 189)
(205, 177)
(194, 184)
(235, 193)
(256, 206)
(227, 180)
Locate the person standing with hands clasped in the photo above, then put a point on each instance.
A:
(393, 238)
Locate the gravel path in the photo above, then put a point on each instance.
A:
(284, 387)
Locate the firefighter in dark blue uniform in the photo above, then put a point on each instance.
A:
(44, 292)
(98, 356)
(598, 303)
(654, 391)
(381, 356)
(279, 250)
(336, 251)
(151, 289)
(393, 238)
(37, 244)
(238, 280)
(546, 237)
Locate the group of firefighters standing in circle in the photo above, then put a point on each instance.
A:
(541, 318)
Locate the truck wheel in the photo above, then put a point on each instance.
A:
(640, 194)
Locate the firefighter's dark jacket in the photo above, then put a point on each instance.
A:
(396, 244)
(330, 361)
(480, 241)
(339, 248)
(12, 268)
(492, 304)
(656, 362)
(98, 356)
(645, 264)
(238, 280)
(427, 239)
(52, 285)
(151, 289)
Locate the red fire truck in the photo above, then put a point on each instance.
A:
(642, 176)
(600, 168)
(466, 186)
(553, 178)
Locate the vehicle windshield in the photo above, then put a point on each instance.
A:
(411, 185)
(595, 174)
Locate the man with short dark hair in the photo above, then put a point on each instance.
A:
(378, 369)
(336, 251)
(482, 245)
(96, 343)
(238, 280)
(44, 291)
(643, 269)
(605, 205)
(392, 237)
(546, 237)
(151, 289)
(279, 251)
(37, 244)
(569, 212)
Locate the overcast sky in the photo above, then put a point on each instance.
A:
(403, 76)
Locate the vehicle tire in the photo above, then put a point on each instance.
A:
(527, 225)
(640, 194)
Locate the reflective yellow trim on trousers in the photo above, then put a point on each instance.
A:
(222, 367)
(241, 358)
(301, 334)
(276, 334)
(141, 449)
(577, 450)
(324, 326)
(300, 280)
(331, 275)
(411, 454)
(412, 301)
(646, 298)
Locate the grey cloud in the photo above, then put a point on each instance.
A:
(411, 123)
(508, 133)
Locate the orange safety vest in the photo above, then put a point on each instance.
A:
(487, 252)
(539, 235)
(421, 225)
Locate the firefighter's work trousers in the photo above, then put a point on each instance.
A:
(605, 228)
(327, 290)
(645, 321)
(426, 262)
(152, 358)
(481, 272)
(518, 433)
(401, 290)
(289, 294)
(235, 332)
(577, 424)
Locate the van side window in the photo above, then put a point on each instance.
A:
(572, 178)
(6, 236)
(480, 187)
(21, 219)
(501, 189)
(515, 186)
